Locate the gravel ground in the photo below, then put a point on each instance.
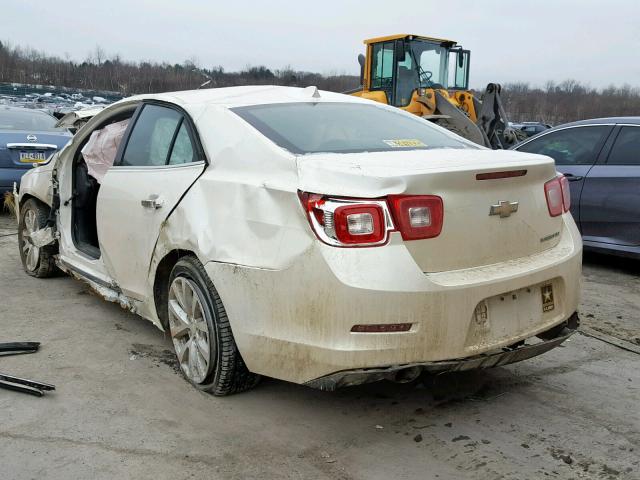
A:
(611, 296)
(122, 411)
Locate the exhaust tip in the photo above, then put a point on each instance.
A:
(407, 375)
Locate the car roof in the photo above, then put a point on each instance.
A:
(590, 121)
(247, 95)
(596, 121)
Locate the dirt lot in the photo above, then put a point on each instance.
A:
(122, 411)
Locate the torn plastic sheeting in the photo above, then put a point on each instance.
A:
(100, 151)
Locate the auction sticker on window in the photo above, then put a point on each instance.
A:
(404, 143)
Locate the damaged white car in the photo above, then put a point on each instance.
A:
(308, 236)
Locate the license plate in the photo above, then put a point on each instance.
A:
(547, 297)
(31, 157)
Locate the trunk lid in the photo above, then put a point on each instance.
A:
(470, 236)
(21, 149)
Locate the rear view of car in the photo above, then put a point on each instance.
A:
(26, 137)
(430, 253)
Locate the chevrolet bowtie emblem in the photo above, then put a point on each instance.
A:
(504, 208)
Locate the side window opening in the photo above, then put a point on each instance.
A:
(159, 137)
(151, 137)
(459, 69)
(407, 81)
(570, 146)
(382, 69)
(626, 149)
(182, 151)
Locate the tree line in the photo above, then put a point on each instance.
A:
(567, 101)
(553, 103)
(111, 73)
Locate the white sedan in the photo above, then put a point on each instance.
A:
(308, 236)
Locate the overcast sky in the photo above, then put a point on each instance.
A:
(596, 42)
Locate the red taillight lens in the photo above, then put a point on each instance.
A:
(347, 222)
(566, 192)
(355, 222)
(558, 195)
(417, 216)
(312, 203)
(553, 192)
(359, 223)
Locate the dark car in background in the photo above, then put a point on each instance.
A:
(531, 128)
(601, 159)
(27, 136)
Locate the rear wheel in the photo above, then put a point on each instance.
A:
(37, 261)
(201, 334)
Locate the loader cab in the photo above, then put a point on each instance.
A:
(400, 67)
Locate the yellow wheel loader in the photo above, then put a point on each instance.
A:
(430, 78)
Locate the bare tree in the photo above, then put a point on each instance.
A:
(99, 54)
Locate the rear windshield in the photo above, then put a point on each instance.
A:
(344, 128)
(29, 120)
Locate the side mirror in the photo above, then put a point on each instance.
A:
(361, 60)
(400, 51)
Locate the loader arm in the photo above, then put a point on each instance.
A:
(493, 120)
(449, 116)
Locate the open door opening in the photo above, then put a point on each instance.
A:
(83, 209)
(90, 164)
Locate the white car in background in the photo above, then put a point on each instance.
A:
(308, 236)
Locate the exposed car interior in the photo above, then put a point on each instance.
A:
(86, 186)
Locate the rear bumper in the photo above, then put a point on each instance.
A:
(295, 324)
(400, 373)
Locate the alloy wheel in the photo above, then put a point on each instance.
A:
(30, 251)
(189, 329)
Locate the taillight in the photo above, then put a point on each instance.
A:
(359, 223)
(558, 195)
(566, 193)
(417, 216)
(348, 222)
(351, 222)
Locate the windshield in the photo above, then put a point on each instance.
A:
(305, 128)
(431, 60)
(29, 120)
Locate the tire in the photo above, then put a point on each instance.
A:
(197, 319)
(37, 262)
